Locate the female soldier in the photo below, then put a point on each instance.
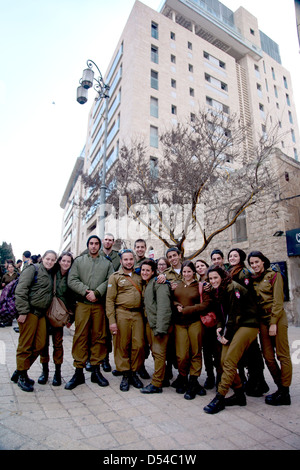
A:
(33, 296)
(64, 293)
(256, 385)
(158, 313)
(201, 268)
(268, 285)
(237, 328)
(189, 331)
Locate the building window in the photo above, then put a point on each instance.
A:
(296, 154)
(216, 82)
(154, 79)
(252, 32)
(154, 54)
(273, 73)
(173, 59)
(154, 107)
(172, 35)
(173, 109)
(288, 100)
(154, 136)
(285, 82)
(154, 30)
(240, 228)
(257, 72)
(154, 167)
(217, 105)
(291, 118)
(259, 90)
(190, 46)
(192, 92)
(293, 136)
(214, 60)
(191, 68)
(173, 83)
(275, 91)
(193, 117)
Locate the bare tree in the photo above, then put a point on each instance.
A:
(209, 172)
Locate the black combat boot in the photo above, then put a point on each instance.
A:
(106, 365)
(216, 405)
(77, 379)
(181, 383)
(135, 381)
(98, 378)
(280, 397)
(238, 398)
(15, 377)
(124, 385)
(24, 382)
(57, 376)
(43, 378)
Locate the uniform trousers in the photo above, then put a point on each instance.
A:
(278, 345)
(158, 346)
(89, 341)
(32, 339)
(57, 341)
(231, 355)
(188, 344)
(129, 342)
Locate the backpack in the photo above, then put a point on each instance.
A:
(8, 309)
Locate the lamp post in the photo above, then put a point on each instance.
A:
(102, 89)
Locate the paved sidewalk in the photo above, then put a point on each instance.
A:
(94, 418)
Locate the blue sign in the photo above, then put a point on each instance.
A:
(293, 242)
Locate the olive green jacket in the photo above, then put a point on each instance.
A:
(270, 296)
(113, 257)
(158, 306)
(236, 308)
(89, 273)
(34, 291)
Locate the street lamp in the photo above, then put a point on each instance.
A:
(87, 80)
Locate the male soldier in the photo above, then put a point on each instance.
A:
(140, 250)
(113, 255)
(26, 259)
(173, 276)
(88, 278)
(217, 258)
(107, 251)
(124, 312)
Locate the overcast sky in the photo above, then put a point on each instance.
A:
(44, 48)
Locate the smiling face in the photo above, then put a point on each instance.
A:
(217, 259)
(188, 274)
(234, 258)
(146, 272)
(140, 249)
(201, 268)
(214, 279)
(257, 264)
(127, 262)
(65, 263)
(161, 265)
(174, 259)
(49, 260)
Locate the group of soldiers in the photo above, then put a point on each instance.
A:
(109, 305)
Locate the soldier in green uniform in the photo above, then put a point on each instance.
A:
(88, 278)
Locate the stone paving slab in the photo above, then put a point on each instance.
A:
(95, 418)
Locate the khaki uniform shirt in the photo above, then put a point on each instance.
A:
(122, 294)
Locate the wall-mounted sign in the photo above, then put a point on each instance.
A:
(293, 242)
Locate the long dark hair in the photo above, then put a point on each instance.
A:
(150, 262)
(258, 254)
(234, 270)
(224, 275)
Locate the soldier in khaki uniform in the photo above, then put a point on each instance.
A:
(124, 312)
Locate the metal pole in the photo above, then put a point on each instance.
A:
(103, 183)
